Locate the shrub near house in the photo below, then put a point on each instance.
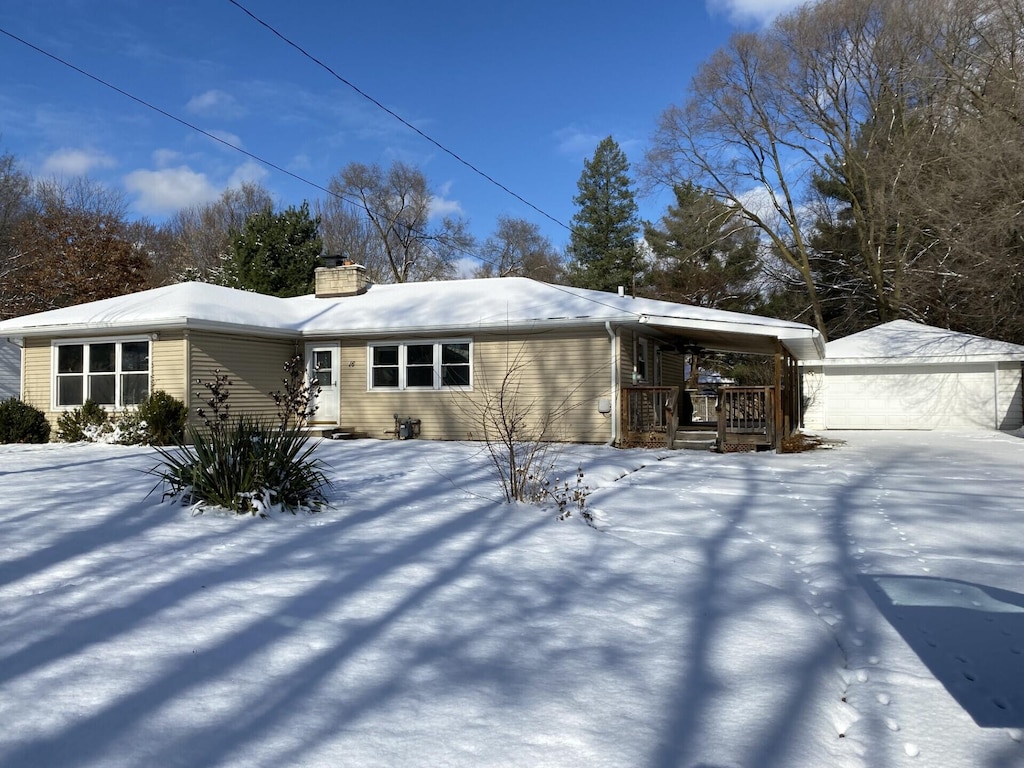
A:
(244, 464)
(21, 423)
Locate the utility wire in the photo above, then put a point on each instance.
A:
(358, 203)
(148, 105)
(165, 113)
(395, 115)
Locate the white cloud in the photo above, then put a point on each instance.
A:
(231, 139)
(75, 162)
(577, 143)
(441, 206)
(743, 12)
(215, 103)
(466, 266)
(169, 189)
(250, 171)
(165, 157)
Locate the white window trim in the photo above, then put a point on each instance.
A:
(118, 341)
(403, 345)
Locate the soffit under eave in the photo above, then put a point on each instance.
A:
(737, 342)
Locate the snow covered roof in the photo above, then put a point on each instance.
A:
(444, 306)
(904, 341)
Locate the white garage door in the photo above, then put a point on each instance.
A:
(910, 397)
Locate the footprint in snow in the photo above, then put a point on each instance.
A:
(883, 699)
(891, 724)
(911, 749)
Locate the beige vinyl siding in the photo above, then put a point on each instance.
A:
(672, 364)
(255, 368)
(564, 373)
(167, 355)
(673, 369)
(167, 365)
(626, 342)
(36, 377)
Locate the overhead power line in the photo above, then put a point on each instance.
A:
(253, 156)
(165, 113)
(391, 112)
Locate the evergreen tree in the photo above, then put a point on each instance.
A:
(277, 253)
(603, 244)
(703, 254)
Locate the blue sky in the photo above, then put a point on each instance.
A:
(523, 91)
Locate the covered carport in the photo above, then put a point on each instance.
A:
(748, 417)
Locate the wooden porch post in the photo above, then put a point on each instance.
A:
(779, 415)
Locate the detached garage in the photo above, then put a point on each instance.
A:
(904, 375)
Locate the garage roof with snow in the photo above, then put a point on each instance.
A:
(907, 342)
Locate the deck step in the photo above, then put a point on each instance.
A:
(702, 440)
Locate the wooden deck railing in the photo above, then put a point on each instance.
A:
(746, 418)
(649, 416)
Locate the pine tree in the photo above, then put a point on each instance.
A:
(703, 254)
(603, 244)
(277, 253)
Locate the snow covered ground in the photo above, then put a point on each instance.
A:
(855, 607)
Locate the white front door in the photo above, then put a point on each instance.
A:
(322, 367)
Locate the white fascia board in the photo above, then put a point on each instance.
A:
(544, 324)
(910, 360)
(149, 326)
(803, 342)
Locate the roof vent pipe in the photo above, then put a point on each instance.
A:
(622, 291)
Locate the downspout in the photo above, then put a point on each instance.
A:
(613, 344)
(188, 374)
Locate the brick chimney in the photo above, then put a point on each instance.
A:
(340, 277)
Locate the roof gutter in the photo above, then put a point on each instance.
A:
(149, 326)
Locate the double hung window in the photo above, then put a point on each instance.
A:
(420, 365)
(110, 373)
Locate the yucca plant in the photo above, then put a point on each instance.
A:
(247, 466)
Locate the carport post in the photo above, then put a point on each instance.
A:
(780, 427)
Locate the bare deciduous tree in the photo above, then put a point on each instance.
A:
(395, 206)
(517, 248)
(75, 247)
(202, 234)
(906, 114)
(15, 191)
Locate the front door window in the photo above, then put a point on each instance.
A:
(323, 373)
